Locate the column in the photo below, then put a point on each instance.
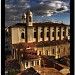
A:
(40, 62)
(51, 33)
(45, 33)
(61, 33)
(66, 31)
(56, 54)
(25, 65)
(39, 34)
(56, 33)
(29, 64)
(34, 63)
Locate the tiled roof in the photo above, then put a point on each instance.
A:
(30, 51)
(45, 24)
(24, 45)
(40, 44)
(29, 57)
(64, 60)
(47, 71)
(51, 43)
(18, 25)
(30, 71)
(12, 64)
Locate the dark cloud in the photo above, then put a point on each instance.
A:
(15, 8)
(60, 9)
(48, 8)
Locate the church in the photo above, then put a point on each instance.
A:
(47, 38)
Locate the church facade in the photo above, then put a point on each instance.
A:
(53, 36)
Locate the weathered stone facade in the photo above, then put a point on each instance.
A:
(59, 50)
(40, 32)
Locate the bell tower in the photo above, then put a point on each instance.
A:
(29, 19)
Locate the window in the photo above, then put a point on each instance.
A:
(39, 52)
(46, 52)
(32, 63)
(34, 29)
(58, 33)
(63, 33)
(13, 51)
(47, 34)
(53, 34)
(41, 35)
(58, 50)
(37, 62)
(26, 64)
(35, 34)
(22, 35)
(53, 51)
(68, 32)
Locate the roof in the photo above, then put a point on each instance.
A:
(12, 64)
(29, 57)
(51, 43)
(45, 24)
(29, 71)
(47, 71)
(64, 60)
(29, 51)
(39, 44)
(24, 45)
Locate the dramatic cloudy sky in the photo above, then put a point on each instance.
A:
(43, 10)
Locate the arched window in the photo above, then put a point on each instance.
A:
(22, 35)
